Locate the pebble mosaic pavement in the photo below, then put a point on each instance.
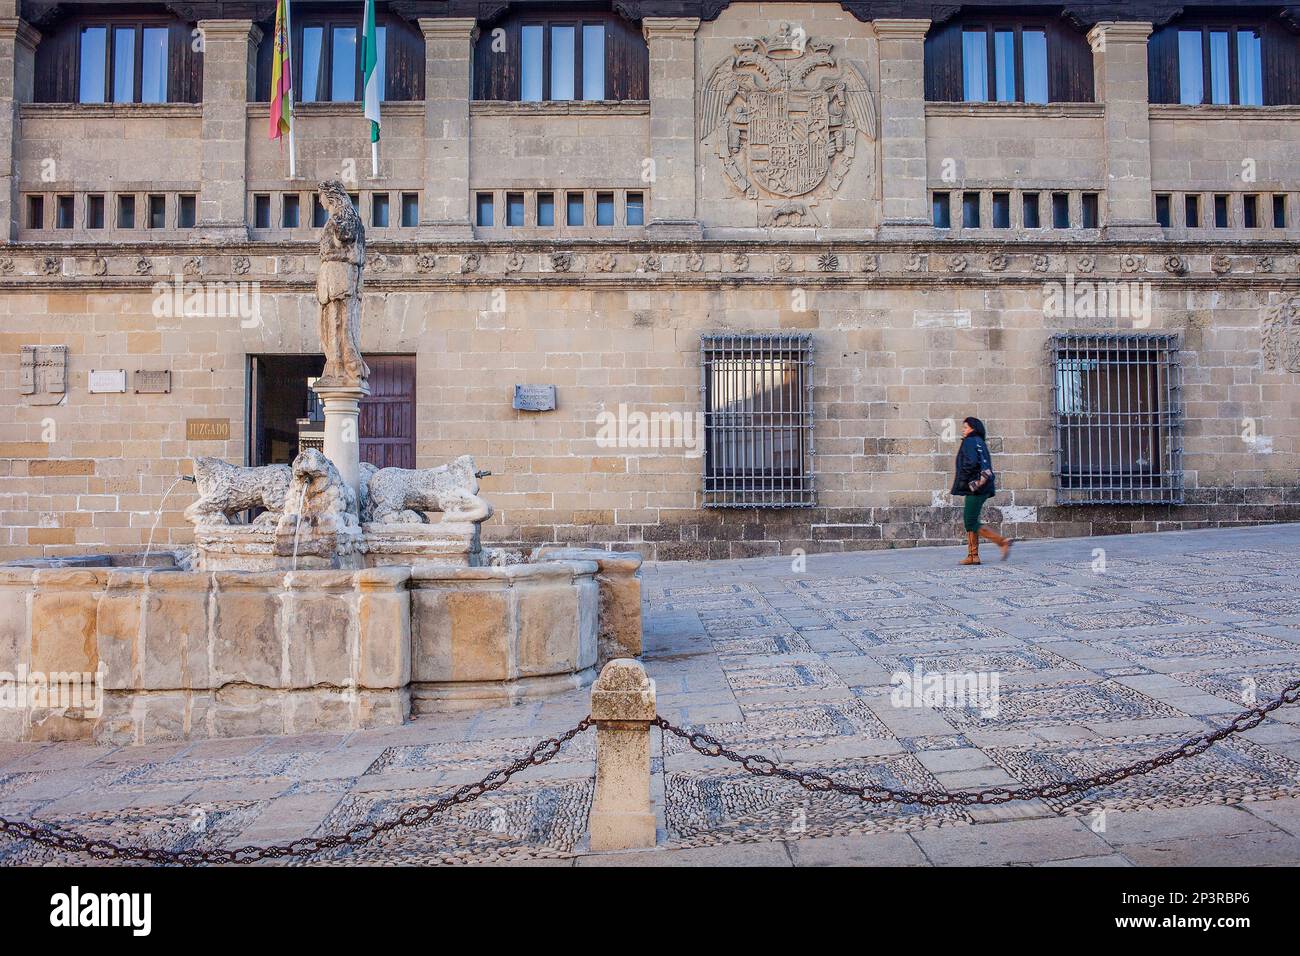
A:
(1095, 669)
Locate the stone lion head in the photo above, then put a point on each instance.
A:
(311, 464)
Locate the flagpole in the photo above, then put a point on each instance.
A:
(293, 152)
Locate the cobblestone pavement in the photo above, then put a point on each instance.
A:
(1097, 667)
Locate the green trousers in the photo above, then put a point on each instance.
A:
(970, 514)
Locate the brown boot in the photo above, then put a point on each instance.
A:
(972, 549)
(1003, 543)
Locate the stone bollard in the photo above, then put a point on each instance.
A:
(622, 707)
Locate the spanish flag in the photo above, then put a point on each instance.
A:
(282, 80)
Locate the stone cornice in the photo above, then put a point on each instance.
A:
(1027, 110)
(112, 110)
(559, 108)
(679, 28)
(901, 29)
(1264, 266)
(230, 30)
(1120, 31)
(449, 28)
(349, 109)
(21, 31)
(1204, 111)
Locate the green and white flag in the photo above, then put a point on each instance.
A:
(370, 68)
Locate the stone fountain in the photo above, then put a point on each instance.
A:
(343, 605)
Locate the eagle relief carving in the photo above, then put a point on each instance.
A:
(786, 114)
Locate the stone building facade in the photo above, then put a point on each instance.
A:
(799, 265)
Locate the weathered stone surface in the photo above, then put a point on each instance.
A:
(622, 705)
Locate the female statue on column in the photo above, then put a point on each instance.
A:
(338, 287)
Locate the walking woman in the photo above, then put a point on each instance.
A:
(975, 480)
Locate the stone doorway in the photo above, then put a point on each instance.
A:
(284, 415)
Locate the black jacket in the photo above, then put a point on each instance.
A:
(972, 458)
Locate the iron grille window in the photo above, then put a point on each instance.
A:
(757, 421)
(1118, 417)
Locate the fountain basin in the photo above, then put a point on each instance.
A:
(174, 654)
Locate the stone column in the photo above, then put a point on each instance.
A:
(229, 74)
(672, 127)
(622, 706)
(905, 205)
(1119, 61)
(17, 75)
(342, 404)
(448, 55)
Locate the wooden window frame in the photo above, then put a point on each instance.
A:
(498, 74)
(326, 77)
(579, 23)
(1206, 27)
(112, 25)
(992, 27)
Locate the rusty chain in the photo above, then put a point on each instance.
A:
(546, 750)
(821, 783)
(358, 835)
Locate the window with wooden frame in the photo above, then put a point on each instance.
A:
(326, 58)
(1225, 61)
(560, 54)
(988, 58)
(119, 59)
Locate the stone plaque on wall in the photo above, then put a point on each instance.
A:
(44, 373)
(534, 398)
(207, 429)
(107, 380)
(150, 382)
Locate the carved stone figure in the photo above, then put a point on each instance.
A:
(1281, 335)
(789, 214)
(318, 495)
(226, 489)
(787, 112)
(338, 287)
(402, 495)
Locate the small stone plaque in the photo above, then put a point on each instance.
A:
(207, 429)
(535, 398)
(107, 380)
(150, 382)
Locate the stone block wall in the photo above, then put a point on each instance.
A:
(900, 356)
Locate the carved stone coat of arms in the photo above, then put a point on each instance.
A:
(787, 114)
(1281, 334)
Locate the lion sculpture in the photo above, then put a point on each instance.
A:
(318, 495)
(403, 495)
(226, 490)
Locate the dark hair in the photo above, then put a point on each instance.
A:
(976, 426)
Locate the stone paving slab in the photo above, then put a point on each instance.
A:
(1094, 671)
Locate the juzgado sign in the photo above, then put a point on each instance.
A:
(207, 429)
(53, 690)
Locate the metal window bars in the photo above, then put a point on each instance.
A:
(756, 391)
(1117, 412)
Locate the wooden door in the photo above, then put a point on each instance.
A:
(387, 422)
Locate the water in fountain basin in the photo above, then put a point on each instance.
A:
(144, 562)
